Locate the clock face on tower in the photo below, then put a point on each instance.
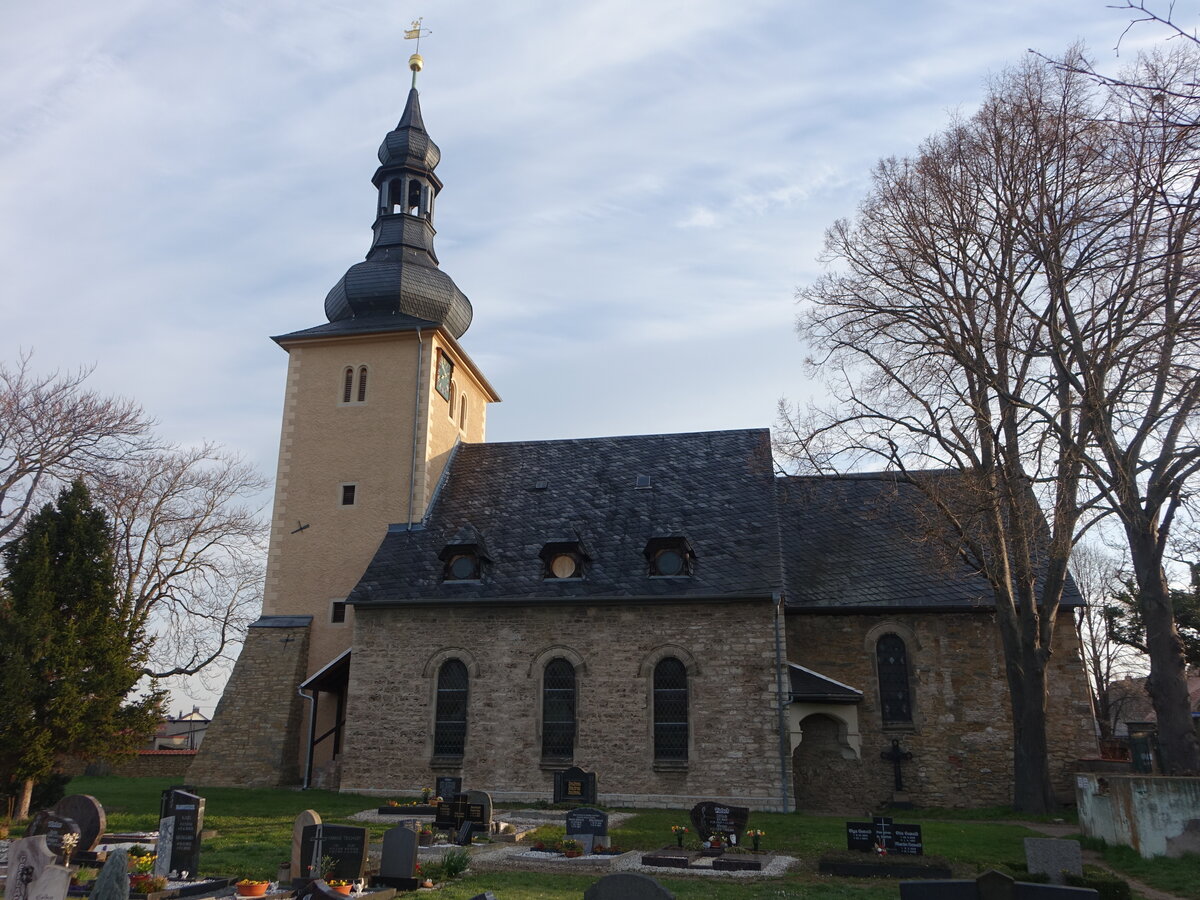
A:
(445, 371)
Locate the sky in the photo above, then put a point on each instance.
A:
(633, 190)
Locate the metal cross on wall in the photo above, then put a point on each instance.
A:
(896, 756)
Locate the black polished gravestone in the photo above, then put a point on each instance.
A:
(398, 864)
(903, 840)
(345, 845)
(574, 785)
(317, 889)
(718, 818)
(86, 812)
(451, 812)
(187, 810)
(62, 834)
(589, 827)
(473, 808)
(446, 786)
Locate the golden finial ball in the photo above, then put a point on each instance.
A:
(416, 63)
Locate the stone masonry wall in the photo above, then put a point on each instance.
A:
(728, 646)
(961, 734)
(253, 738)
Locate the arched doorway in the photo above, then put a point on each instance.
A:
(826, 773)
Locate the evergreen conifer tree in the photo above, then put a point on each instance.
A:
(68, 665)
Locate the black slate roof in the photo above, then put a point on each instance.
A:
(716, 489)
(361, 325)
(813, 687)
(855, 543)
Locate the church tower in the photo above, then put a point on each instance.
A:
(377, 398)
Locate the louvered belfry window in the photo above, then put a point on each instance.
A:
(670, 710)
(450, 725)
(558, 710)
(347, 384)
(894, 696)
(362, 384)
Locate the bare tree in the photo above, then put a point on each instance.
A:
(52, 429)
(1000, 311)
(189, 546)
(1097, 574)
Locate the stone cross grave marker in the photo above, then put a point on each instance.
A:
(574, 785)
(299, 871)
(896, 756)
(398, 865)
(588, 826)
(711, 818)
(188, 812)
(446, 786)
(27, 859)
(903, 840)
(627, 886)
(52, 884)
(86, 811)
(346, 845)
(113, 881)
(1053, 857)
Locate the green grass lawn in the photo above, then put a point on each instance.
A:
(254, 833)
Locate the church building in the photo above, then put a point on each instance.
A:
(663, 610)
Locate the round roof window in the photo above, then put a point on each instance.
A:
(463, 567)
(668, 562)
(564, 565)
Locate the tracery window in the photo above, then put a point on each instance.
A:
(558, 710)
(450, 718)
(895, 699)
(670, 710)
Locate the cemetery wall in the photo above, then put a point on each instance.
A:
(254, 737)
(961, 733)
(728, 647)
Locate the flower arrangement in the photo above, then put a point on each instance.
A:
(338, 882)
(142, 865)
(84, 875)
(426, 793)
(146, 884)
(679, 831)
(571, 847)
(248, 887)
(393, 803)
(880, 849)
(756, 835)
(427, 829)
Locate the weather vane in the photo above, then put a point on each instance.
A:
(414, 33)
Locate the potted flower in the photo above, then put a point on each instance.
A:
(248, 887)
(426, 793)
(679, 831)
(715, 842)
(146, 884)
(571, 848)
(425, 835)
(340, 885)
(84, 876)
(756, 834)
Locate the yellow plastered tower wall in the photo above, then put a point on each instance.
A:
(376, 400)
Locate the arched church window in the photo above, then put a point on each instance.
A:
(451, 407)
(670, 710)
(347, 384)
(462, 411)
(895, 699)
(450, 720)
(362, 384)
(558, 710)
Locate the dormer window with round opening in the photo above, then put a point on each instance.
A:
(464, 558)
(670, 557)
(563, 560)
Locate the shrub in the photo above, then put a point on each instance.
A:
(456, 861)
(1108, 886)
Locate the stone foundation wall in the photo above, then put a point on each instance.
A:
(961, 734)
(728, 647)
(254, 737)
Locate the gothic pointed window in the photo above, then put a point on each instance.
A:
(895, 700)
(450, 721)
(558, 710)
(670, 710)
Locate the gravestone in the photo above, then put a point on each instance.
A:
(398, 865)
(86, 811)
(627, 886)
(113, 881)
(164, 799)
(446, 786)
(52, 884)
(486, 895)
(188, 813)
(317, 889)
(903, 840)
(451, 812)
(589, 827)
(166, 839)
(479, 810)
(729, 822)
(1053, 857)
(465, 831)
(306, 819)
(56, 828)
(574, 785)
(346, 845)
(27, 859)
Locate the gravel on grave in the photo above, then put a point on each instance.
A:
(490, 857)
